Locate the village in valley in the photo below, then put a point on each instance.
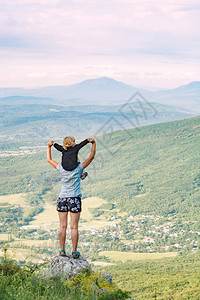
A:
(101, 233)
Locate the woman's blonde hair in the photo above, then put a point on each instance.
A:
(68, 141)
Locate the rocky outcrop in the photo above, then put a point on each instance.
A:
(68, 267)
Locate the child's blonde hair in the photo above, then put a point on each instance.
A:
(68, 141)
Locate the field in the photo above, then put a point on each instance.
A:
(4, 236)
(87, 203)
(47, 221)
(102, 263)
(123, 257)
(15, 199)
(49, 217)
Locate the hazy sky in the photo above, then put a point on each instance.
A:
(142, 43)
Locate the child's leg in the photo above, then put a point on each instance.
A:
(84, 175)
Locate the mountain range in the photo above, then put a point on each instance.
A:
(87, 108)
(103, 91)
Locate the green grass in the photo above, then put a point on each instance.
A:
(28, 282)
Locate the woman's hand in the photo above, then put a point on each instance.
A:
(91, 140)
(50, 143)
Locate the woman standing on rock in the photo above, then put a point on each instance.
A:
(70, 198)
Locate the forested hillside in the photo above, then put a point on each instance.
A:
(150, 170)
(148, 178)
(176, 278)
(145, 184)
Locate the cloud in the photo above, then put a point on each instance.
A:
(108, 32)
(38, 75)
(74, 25)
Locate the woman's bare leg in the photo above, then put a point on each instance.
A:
(74, 229)
(63, 216)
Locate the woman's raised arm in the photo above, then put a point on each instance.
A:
(52, 162)
(92, 154)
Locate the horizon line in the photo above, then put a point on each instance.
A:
(96, 78)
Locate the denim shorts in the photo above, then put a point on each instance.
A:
(72, 204)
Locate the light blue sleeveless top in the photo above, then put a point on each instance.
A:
(71, 181)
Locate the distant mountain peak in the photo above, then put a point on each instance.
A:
(102, 78)
(102, 82)
(194, 84)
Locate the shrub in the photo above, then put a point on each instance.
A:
(19, 283)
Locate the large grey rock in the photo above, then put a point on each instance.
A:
(68, 267)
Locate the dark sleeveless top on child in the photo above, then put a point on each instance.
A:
(69, 156)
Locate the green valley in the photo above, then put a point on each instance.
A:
(140, 201)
